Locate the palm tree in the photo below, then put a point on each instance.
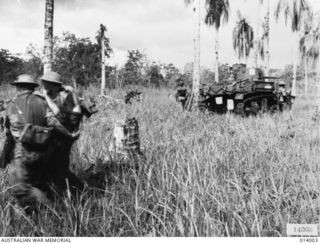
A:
(243, 38)
(196, 46)
(264, 42)
(294, 10)
(261, 48)
(306, 54)
(267, 40)
(48, 36)
(309, 47)
(315, 57)
(217, 10)
(101, 40)
(256, 55)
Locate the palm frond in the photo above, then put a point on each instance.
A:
(243, 37)
(293, 11)
(217, 10)
(261, 48)
(309, 46)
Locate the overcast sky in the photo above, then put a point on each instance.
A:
(163, 29)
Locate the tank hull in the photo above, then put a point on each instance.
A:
(250, 96)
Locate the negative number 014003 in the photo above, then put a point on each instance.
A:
(309, 239)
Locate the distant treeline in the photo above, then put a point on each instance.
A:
(78, 60)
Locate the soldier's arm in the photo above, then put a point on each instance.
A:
(54, 108)
(76, 101)
(58, 127)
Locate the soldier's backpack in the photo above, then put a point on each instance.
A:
(34, 136)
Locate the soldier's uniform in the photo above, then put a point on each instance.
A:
(284, 96)
(182, 93)
(66, 101)
(28, 164)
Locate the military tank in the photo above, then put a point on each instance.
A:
(250, 94)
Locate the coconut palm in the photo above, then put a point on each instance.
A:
(309, 47)
(264, 41)
(307, 27)
(314, 54)
(196, 62)
(293, 10)
(48, 36)
(243, 38)
(304, 57)
(261, 48)
(267, 40)
(217, 10)
(257, 34)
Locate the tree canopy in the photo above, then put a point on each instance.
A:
(10, 66)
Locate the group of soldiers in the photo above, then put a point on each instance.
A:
(41, 125)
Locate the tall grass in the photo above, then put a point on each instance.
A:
(205, 175)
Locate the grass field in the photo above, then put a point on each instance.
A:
(205, 175)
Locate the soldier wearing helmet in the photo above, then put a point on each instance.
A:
(182, 93)
(282, 88)
(66, 106)
(285, 98)
(27, 115)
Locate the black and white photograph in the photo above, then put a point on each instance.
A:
(159, 118)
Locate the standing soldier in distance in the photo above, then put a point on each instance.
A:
(28, 112)
(66, 106)
(182, 93)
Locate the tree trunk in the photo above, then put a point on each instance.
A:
(268, 40)
(48, 36)
(103, 65)
(117, 76)
(305, 77)
(294, 81)
(318, 83)
(244, 49)
(257, 36)
(295, 63)
(196, 63)
(216, 72)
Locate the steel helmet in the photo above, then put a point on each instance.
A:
(25, 79)
(52, 77)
